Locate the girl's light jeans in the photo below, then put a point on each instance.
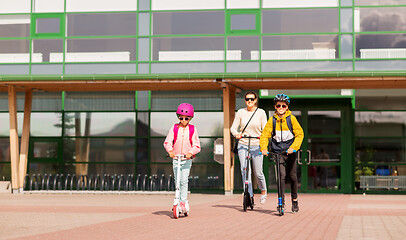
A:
(257, 163)
(184, 176)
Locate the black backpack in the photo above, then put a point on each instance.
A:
(281, 146)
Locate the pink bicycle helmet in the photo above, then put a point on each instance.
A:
(185, 109)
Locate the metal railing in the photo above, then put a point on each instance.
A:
(107, 182)
(383, 182)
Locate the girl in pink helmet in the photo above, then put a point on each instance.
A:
(183, 139)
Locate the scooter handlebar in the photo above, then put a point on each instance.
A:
(260, 153)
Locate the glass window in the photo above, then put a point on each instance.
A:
(187, 67)
(99, 101)
(98, 50)
(5, 124)
(15, 26)
(43, 168)
(346, 2)
(381, 19)
(100, 5)
(47, 47)
(102, 24)
(99, 169)
(15, 6)
(99, 150)
(46, 124)
(298, 47)
(346, 20)
(380, 46)
(169, 23)
(4, 151)
(144, 4)
(142, 124)
(207, 123)
(380, 150)
(100, 124)
(16, 51)
(46, 101)
(143, 50)
(144, 24)
(306, 66)
(346, 46)
(48, 6)
(207, 176)
(325, 149)
(379, 2)
(243, 21)
(190, 49)
(244, 44)
(143, 100)
(324, 177)
(5, 171)
(201, 100)
(324, 122)
(300, 20)
(298, 3)
(48, 25)
(380, 124)
(186, 4)
(242, 4)
(45, 149)
(142, 149)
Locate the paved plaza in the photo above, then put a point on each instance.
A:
(137, 216)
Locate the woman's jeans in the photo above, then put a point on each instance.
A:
(257, 162)
(184, 176)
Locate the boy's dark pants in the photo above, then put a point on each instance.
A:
(288, 162)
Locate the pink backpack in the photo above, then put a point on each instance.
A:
(176, 129)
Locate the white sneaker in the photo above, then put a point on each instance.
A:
(263, 199)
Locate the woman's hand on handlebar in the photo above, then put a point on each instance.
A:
(238, 136)
(189, 156)
(265, 152)
(171, 154)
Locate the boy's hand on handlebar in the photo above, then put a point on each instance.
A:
(238, 136)
(265, 152)
(171, 154)
(189, 156)
(290, 150)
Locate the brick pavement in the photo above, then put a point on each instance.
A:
(321, 216)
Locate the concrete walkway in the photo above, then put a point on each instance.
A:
(79, 216)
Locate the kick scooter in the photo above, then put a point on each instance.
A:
(280, 208)
(177, 210)
(247, 199)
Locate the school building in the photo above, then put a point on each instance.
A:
(90, 87)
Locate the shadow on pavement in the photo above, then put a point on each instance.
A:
(239, 208)
(165, 213)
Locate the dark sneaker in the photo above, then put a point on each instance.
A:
(295, 206)
(252, 201)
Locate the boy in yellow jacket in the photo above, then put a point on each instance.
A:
(287, 136)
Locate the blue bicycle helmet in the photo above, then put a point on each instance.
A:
(282, 98)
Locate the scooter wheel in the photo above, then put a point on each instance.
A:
(245, 203)
(175, 211)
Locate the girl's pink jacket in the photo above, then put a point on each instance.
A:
(182, 145)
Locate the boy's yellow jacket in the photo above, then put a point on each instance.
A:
(283, 134)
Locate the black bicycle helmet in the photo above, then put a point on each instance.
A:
(282, 98)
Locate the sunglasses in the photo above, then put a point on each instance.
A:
(281, 106)
(186, 118)
(250, 99)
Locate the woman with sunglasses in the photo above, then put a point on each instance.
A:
(287, 137)
(252, 129)
(183, 139)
